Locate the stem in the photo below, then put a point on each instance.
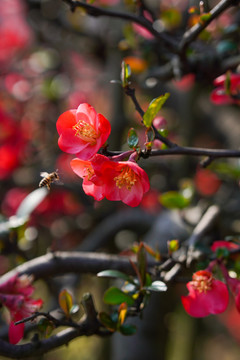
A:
(131, 93)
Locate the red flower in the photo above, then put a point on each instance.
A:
(123, 180)
(220, 95)
(224, 244)
(10, 159)
(15, 295)
(82, 131)
(117, 181)
(85, 170)
(206, 182)
(206, 295)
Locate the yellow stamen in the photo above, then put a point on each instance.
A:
(85, 132)
(202, 281)
(127, 178)
(89, 172)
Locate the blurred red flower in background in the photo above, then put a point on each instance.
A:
(227, 91)
(15, 296)
(206, 182)
(15, 33)
(12, 145)
(224, 244)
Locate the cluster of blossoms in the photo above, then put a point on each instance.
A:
(208, 295)
(82, 132)
(15, 295)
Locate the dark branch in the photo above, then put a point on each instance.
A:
(59, 263)
(131, 93)
(141, 20)
(39, 347)
(180, 150)
(191, 34)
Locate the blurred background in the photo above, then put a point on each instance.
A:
(51, 60)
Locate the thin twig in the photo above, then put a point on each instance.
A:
(202, 227)
(131, 93)
(181, 150)
(141, 20)
(195, 30)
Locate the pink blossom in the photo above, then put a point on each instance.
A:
(116, 180)
(220, 95)
(123, 180)
(85, 170)
(15, 34)
(15, 296)
(206, 295)
(219, 244)
(82, 131)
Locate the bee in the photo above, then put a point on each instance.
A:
(48, 179)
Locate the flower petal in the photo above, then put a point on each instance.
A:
(15, 332)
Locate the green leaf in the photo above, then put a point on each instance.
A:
(148, 281)
(205, 17)
(227, 170)
(150, 135)
(45, 327)
(125, 74)
(116, 274)
(154, 107)
(163, 132)
(30, 202)
(127, 329)
(157, 286)
(173, 245)
(65, 301)
(107, 321)
(174, 200)
(132, 138)
(114, 296)
(227, 83)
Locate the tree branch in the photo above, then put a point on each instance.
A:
(59, 263)
(180, 150)
(195, 30)
(141, 20)
(39, 347)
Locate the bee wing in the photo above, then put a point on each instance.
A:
(43, 174)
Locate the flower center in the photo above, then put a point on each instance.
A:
(127, 178)
(85, 132)
(89, 172)
(202, 281)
